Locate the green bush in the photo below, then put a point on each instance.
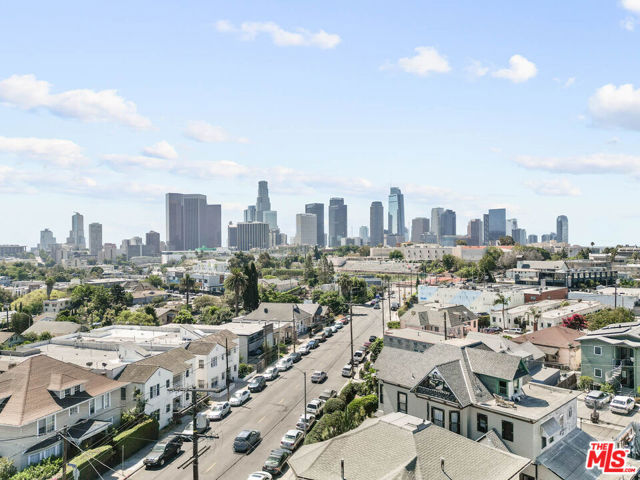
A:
(608, 388)
(362, 407)
(137, 437)
(7, 469)
(91, 460)
(348, 393)
(244, 370)
(585, 382)
(334, 405)
(45, 469)
(392, 325)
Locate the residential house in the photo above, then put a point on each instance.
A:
(55, 306)
(144, 297)
(55, 328)
(402, 447)
(9, 339)
(283, 315)
(559, 344)
(166, 314)
(451, 321)
(40, 396)
(217, 360)
(532, 356)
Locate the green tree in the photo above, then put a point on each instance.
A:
(449, 262)
(188, 284)
(375, 348)
(20, 321)
(118, 295)
(597, 320)
(396, 255)
(183, 316)
(334, 301)
(461, 242)
(236, 282)
(128, 317)
(155, 280)
(584, 254)
(364, 251)
(7, 469)
(506, 240)
(536, 314)
(49, 282)
(240, 260)
(204, 301)
(325, 271)
(334, 405)
(265, 260)
(345, 282)
(310, 275)
(250, 295)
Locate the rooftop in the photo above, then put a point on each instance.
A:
(557, 336)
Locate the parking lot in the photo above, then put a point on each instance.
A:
(609, 424)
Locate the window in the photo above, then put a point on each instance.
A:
(92, 406)
(223, 375)
(49, 452)
(107, 400)
(570, 411)
(482, 423)
(168, 408)
(507, 430)
(187, 373)
(597, 350)
(123, 393)
(214, 362)
(544, 442)
(73, 410)
(100, 403)
(454, 421)
(46, 425)
(437, 416)
(168, 383)
(157, 389)
(597, 372)
(235, 368)
(200, 383)
(502, 387)
(200, 363)
(67, 392)
(381, 394)
(524, 476)
(76, 389)
(402, 402)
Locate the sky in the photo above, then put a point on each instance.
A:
(533, 106)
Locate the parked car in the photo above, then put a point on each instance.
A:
(514, 331)
(347, 370)
(334, 329)
(318, 376)
(358, 356)
(322, 337)
(162, 452)
(295, 356)
(376, 306)
(219, 411)
(284, 364)
(305, 423)
(313, 343)
(246, 441)
(338, 325)
(240, 398)
(257, 384)
(271, 373)
(621, 404)
(366, 345)
(292, 439)
(328, 332)
(276, 461)
(202, 424)
(327, 394)
(597, 398)
(304, 349)
(395, 306)
(315, 407)
(346, 319)
(373, 338)
(260, 476)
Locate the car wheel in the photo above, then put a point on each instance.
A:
(161, 462)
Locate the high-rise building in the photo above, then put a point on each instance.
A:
(532, 239)
(47, 240)
(250, 214)
(152, 241)
(364, 234)
(232, 236)
(396, 213)
(192, 223)
(263, 204)
(497, 224)
(562, 229)
(435, 220)
(419, 226)
(76, 235)
(512, 223)
(519, 235)
(485, 229)
(270, 217)
(376, 224)
(475, 232)
(306, 229)
(337, 221)
(448, 223)
(253, 235)
(318, 210)
(95, 238)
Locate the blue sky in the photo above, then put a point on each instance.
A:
(532, 106)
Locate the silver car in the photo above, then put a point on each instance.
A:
(597, 398)
(271, 373)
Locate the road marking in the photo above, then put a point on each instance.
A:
(261, 419)
(208, 469)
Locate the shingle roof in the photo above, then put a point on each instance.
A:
(137, 373)
(4, 336)
(54, 328)
(27, 386)
(203, 346)
(493, 439)
(500, 344)
(433, 314)
(557, 336)
(567, 457)
(174, 360)
(499, 365)
(278, 312)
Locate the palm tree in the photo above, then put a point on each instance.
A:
(188, 284)
(345, 283)
(50, 282)
(536, 314)
(504, 301)
(237, 282)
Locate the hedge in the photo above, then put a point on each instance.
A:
(45, 469)
(334, 405)
(137, 437)
(348, 393)
(89, 461)
(363, 405)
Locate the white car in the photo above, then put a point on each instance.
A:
(315, 407)
(306, 422)
(621, 404)
(240, 398)
(219, 411)
(260, 476)
(284, 364)
(347, 370)
(271, 373)
(292, 439)
(304, 349)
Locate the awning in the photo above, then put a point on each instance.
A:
(548, 350)
(43, 444)
(87, 429)
(550, 427)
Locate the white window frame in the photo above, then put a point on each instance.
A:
(92, 407)
(107, 399)
(47, 429)
(597, 370)
(74, 410)
(595, 352)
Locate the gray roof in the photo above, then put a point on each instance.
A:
(492, 364)
(498, 343)
(567, 457)
(434, 314)
(616, 334)
(402, 447)
(54, 328)
(493, 439)
(137, 373)
(174, 360)
(281, 312)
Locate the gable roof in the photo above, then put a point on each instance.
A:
(137, 373)
(6, 336)
(54, 328)
(28, 387)
(175, 360)
(494, 364)
(500, 344)
(434, 314)
(557, 336)
(204, 345)
(279, 312)
(567, 458)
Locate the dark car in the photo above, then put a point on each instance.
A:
(295, 356)
(313, 343)
(276, 460)
(373, 338)
(246, 441)
(162, 452)
(257, 384)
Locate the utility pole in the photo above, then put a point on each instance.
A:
(351, 330)
(305, 399)
(382, 308)
(226, 377)
(295, 331)
(64, 453)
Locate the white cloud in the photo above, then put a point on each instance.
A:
(426, 61)
(122, 161)
(207, 133)
(162, 149)
(631, 5)
(477, 69)
(63, 153)
(279, 36)
(597, 163)
(556, 187)
(29, 93)
(616, 106)
(520, 70)
(628, 24)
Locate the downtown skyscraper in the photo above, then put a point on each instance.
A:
(263, 204)
(396, 214)
(337, 221)
(317, 209)
(95, 238)
(191, 222)
(76, 235)
(562, 229)
(376, 224)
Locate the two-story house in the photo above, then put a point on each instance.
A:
(451, 321)
(217, 358)
(41, 396)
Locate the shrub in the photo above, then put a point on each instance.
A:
(608, 388)
(362, 407)
(244, 370)
(376, 348)
(334, 405)
(7, 469)
(393, 325)
(91, 460)
(45, 469)
(585, 382)
(137, 437)
(348, 393)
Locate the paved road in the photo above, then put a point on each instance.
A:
(274, 410)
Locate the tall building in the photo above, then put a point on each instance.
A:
(364, 234)
(497, 224)
(532, 239)
(76, 235)
(95, 238)
(47, 240)
(519, 235)
(253, 235)
(485, 229)
(512, 224)
(475, 232)
(376, 224)
(232, 236)
(396, 213)
(419, 226)
(435, 220)
(250, 214)
(263, 204)
(306, 229)
(562, 229)
(318, 210)
(447, 223)
(191, 222)
(337, 221)
(270, 217)
(152, 241)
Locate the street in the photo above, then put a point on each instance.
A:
(274, 410)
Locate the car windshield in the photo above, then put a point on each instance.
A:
(618, 402)
(290, 438)
(596, 394)
(311, 405)
(217, 408)
(159, 447)
(273, 460)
